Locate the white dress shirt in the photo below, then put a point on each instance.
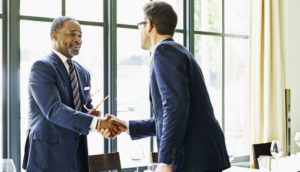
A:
(64, 60)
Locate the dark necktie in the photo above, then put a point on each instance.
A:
(74, 85)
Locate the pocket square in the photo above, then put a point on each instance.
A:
(87, 88)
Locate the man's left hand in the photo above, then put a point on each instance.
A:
(94, 112)
(163, 168)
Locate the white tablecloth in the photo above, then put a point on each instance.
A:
(240, 169)
(286, 164)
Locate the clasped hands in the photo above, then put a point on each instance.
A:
(110, 126)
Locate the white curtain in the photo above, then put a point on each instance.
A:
(267, 73)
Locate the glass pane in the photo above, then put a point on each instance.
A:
(1, 8)
(91, 10)
(236, 96)
(178, 7)
(237, 16)
(31, 48)
(130, 11)
(133, 90)
(91, 57)
(178, 37)
(45, 8)
(1, 115)
(208, 53)
(208, 15)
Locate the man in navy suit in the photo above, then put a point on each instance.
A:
(58, 89)
(188, 135)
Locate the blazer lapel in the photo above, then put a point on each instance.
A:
(60, 67)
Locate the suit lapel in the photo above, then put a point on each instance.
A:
(60, 67)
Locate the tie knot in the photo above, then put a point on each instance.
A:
(70, 62)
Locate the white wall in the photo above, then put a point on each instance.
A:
(292, 40)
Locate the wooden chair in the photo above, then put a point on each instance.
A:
(154, 157)
(105, 162)
(260, 149)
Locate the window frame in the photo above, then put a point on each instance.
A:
(11, 64)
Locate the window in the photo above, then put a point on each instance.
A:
(218, 40)
(132, 90)
(47, 8)
(221, 49)
(236, 96)
(132, 78)
(208, 53)
(91, 11)
(1, 96)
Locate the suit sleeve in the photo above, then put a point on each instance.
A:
(169, 65)
(142, 128)
(42, 84)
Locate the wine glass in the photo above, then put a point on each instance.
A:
(152, 167)
(137, 155)
(276, 150)
(297, 138)
(231, 151)
(7, 165)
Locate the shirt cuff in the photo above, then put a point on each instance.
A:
(94, 124)
(127, 126)
(164, 165)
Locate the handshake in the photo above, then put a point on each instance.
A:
(110, 126)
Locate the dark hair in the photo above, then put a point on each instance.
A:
(58, 23)
(162, 15)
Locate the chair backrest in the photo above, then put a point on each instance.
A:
(260, 149)
(103, 162)
(154, 157)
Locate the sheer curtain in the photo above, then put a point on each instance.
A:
(267, 72)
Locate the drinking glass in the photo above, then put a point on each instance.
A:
(7, 165)
(264, 163)
(137, 155)
(297, 138)
(231, 151)
(152, 167)
(276, 150)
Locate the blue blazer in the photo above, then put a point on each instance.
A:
(56, 138)
(188, 135)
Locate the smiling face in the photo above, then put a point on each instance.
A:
(67, 39)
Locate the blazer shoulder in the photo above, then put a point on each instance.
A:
(171, 49)
(172, 45)
(44, 63)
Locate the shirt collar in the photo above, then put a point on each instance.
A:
(153, 49)
(61, 56)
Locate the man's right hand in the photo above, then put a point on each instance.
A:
(110, 126)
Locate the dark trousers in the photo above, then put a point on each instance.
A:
(214, 171)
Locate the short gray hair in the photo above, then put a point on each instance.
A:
(58, 23)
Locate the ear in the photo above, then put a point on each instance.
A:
(53, 35)
(150, 26)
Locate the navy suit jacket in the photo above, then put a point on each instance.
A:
(188, 134)
(56, 138)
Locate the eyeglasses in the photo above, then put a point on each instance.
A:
(140, 23)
